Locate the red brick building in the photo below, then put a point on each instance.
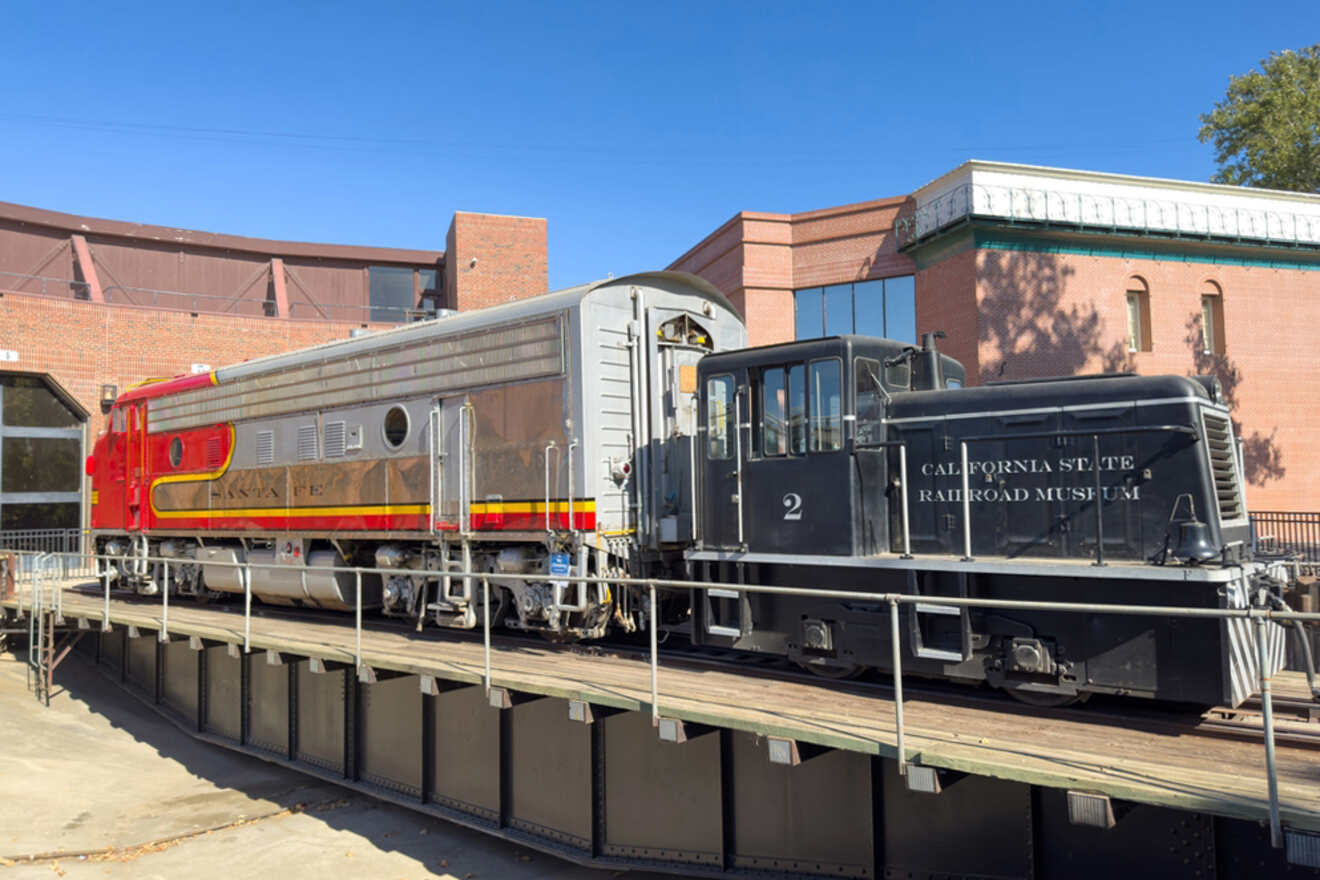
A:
(99, 305)
(1041, 271)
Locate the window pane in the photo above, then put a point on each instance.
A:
(14, 517)
(838, 309)
(391, 292)
(426, 279)
(826, 414)
(810, 323)
(40, 464)
(1134, 321)
(28, 402)
(719, 403)
(870, 401)
(797, 409)
(901, 309)
(1208, 324)
(869, 307)
(774, 434)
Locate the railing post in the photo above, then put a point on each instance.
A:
(898, 686)
(655, 664)
(485, 629)
(105, 614)
(966, 506)
(1267, 711)
(164, 635)
(247, 608)
(357, 620)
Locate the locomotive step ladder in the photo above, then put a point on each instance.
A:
(940, 632)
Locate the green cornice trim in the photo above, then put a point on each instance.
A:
(996, 237)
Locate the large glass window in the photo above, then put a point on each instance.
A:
(28, 402)
(869, 308)
(40, 464)
(838, 309)
(719, 417)
(901, 309)
(391, 292)
(884, 307)
(810, 313)
(826, 406)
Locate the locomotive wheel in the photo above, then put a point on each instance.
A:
(831, 669)
(1046, 701)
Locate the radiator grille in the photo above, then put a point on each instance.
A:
(334, 439)
(1223, 466)
(307, 443)
(265, 447)
(213, 452)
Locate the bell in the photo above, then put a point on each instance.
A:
(1194, 542)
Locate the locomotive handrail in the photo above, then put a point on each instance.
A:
(1259, 614)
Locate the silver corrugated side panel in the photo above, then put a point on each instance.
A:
(441, 366)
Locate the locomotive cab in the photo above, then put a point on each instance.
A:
(795, 445)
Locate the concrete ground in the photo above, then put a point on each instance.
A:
(98, 785)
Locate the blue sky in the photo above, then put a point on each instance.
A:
(635, 129)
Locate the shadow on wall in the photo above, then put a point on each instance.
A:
(1030, 334)
(1262, 460)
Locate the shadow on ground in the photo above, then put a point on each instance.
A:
(124, 776)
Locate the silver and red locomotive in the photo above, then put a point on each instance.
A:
(623, 428)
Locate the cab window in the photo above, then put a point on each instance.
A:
(719, 417)
(783, 411)
(870, 401)
(826, 396)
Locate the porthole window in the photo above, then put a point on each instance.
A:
(176, 452)
(396, 427)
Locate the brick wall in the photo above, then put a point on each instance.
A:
(1051, 315)
(86, 345)
(759, 259)
(492, 259)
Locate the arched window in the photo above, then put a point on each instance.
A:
(1138, 314)
(1212, 318)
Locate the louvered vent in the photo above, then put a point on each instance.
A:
(1223, 466)
(265, 447)
(334, 439)
(214, 452)
(307, 443)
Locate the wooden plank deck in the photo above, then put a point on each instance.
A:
(1176, 769)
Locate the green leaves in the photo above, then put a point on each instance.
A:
(1266, 130)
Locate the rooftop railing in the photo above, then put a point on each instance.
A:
(1016, 205)
(209, 303)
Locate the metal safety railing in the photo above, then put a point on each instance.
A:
(1105, 213)
(1293, 534)
(209, 303)
(45, 596)
(62, 541)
